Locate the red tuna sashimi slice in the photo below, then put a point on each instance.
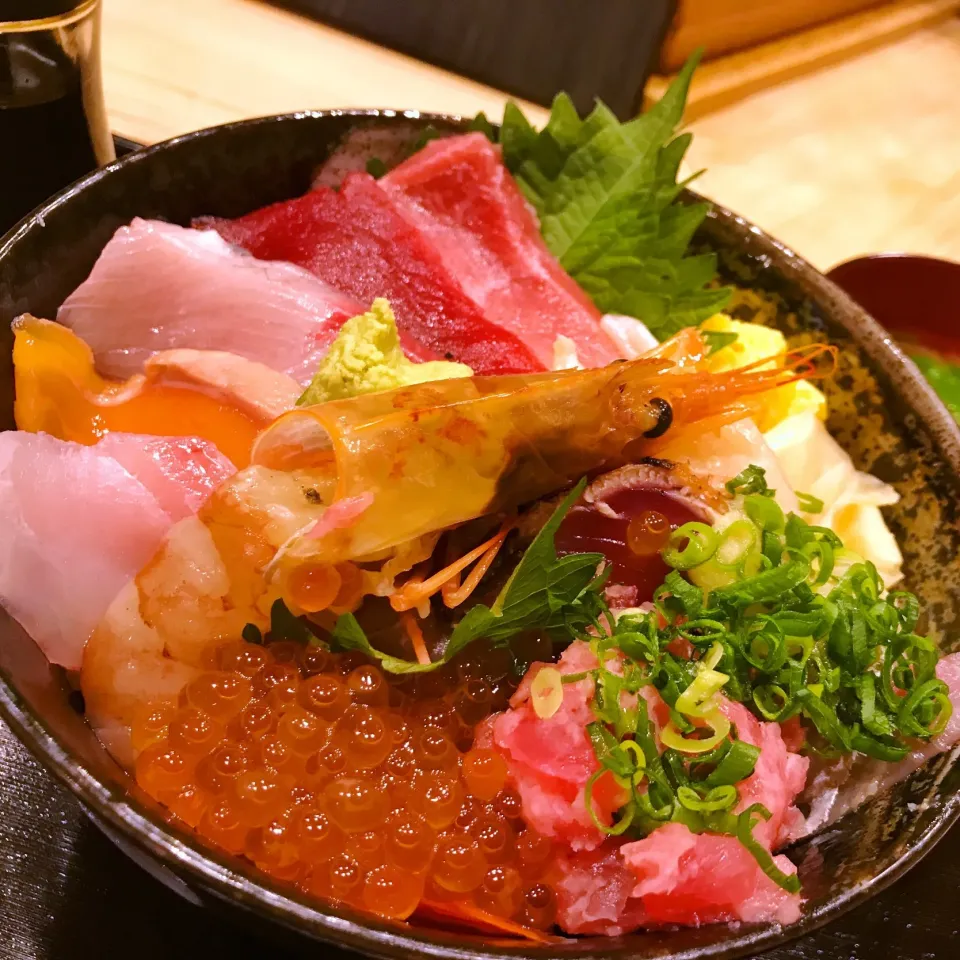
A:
(691, 879)
(459, 194)
(80, 521)
(157, 286)
(355, 240)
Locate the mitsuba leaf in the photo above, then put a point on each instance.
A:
(542, 592)
(284, 625)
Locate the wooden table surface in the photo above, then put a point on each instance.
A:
(857, 158)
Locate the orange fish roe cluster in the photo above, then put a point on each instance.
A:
(352, 784)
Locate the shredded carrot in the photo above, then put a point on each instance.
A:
(415, 591)
(416, 637)
(467, 916)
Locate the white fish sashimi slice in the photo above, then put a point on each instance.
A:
(722, 454)
(158, 286)
(79, 522)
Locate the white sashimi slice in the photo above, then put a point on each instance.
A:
(630, 335)
(79, 522)
(157, 286)
(722, 454)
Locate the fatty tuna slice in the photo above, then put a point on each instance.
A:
(80, 521)
(355, 239)
(157, 286)
(457, 191)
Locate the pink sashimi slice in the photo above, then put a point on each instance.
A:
(157, 286)
(550, 760)
(457, 192)
(691, 879)
(80, 521)
(595, 893)
(355, 239)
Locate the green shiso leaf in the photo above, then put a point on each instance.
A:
(607, 197)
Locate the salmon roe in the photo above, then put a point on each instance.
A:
(350, 783)
(648, 533)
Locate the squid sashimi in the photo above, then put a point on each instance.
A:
(356, 240)
(57, 498)
(457, 191)
(157, 286)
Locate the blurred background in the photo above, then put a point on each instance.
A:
(834, 124)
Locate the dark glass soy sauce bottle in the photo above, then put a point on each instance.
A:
(53, 126)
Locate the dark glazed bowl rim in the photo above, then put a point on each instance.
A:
(177, 849)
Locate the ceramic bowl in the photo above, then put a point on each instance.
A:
(881, 410)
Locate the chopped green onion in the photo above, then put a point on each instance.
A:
(719, 798)
(822, 552)
(711, 575)
(770, 700)
(809, 504)
(689, 545)
(767, 585)
(925, 712)
(716, 721)
(546, 692)
(889, 751)
(736, 542)
(907, 607)
(626, 818)
(765, 512)
(746, 823)
(738, 764)
(698, 699)
(752, 479)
